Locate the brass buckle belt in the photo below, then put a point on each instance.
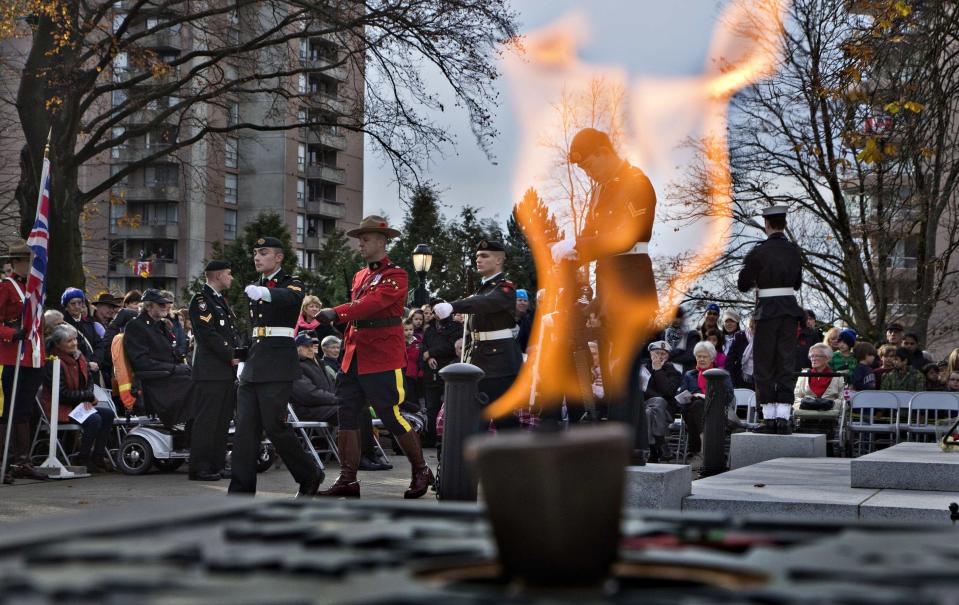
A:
(377, 323)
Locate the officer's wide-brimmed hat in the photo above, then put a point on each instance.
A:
(155, 296)
(217, 265)
(18, 249)
(374, 224)
(267, 242)
(105, 298)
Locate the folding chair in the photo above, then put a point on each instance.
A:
(677, 438)
(926, 409)
(306, 430)
(874, 414)
(378, 425)
(746, 404)
(44, 426)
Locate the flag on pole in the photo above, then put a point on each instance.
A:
(36, 282)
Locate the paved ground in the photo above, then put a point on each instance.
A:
(35, 499)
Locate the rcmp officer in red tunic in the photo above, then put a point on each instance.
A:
(492, 316)
(266, 381)
(374, 355)
(616, 234)
(214, 373)
(12, 292)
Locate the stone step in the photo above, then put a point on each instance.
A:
(908, 466)
(657, 486)
(746, 449)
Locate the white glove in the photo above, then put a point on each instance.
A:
(256, 292)
(564, 250)
(443, 310)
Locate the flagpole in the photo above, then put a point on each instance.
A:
(16, 370)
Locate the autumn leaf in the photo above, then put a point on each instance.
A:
(913, 106)
(870, 154)
(893, 107)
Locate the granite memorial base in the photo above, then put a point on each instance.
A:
(908, 466)
(746, 449)
(657, 486)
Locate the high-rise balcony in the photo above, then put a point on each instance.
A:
(157, 192)
(331, 174)
(152, 230)
(318, 136)
(325, 208)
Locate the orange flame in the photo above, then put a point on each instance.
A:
(660, 114)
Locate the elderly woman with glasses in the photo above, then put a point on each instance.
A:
(76, 388)
(818, 397)
(694, 383)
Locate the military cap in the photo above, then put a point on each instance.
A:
(586, 142)
(775, 211)
(217, 265)
(155, 296)
(489, 245)
(267, 242)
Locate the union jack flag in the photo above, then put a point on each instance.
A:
(36, 282)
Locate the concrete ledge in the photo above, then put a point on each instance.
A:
(801, 488)
(657, 486)
(746, 449)
(908, 466)
(902, 506)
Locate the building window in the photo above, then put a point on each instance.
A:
(301, 156)
(300, 221)
(299, 258)
(301, 84)
(229, 189)
(233, 115)
(229, 224)
(300, 193)
(161, 175)
(230, 152)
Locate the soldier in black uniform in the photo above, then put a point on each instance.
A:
(214, 373)
(490, 344)
(266, 380)
(774, 268)
(619, 225)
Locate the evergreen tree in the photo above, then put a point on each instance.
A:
(423, 224)
(338, 261)
(519, 260)
(460, 278)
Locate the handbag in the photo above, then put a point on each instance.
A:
(816, 404)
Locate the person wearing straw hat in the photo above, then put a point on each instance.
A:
(374, 355)
(266, 381)
(774, 268)
(12, 334)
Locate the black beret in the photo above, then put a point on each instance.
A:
(586, 142)
(267, 242)
(490, 246)
(216, 265)
(155, 296)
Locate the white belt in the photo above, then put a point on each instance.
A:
(494, 335)
(640, 248)
(265, 331)
(770, 292)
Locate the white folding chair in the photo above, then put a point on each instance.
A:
(926, 409)
(43, 426)
(873, 414)
(677, 438)
(746, 404)
(378, 425)
(307, 429)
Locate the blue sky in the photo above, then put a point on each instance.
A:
(644, 37)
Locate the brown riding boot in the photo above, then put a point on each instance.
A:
(422, 475)
(346, 485)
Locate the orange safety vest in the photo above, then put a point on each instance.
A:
(122, 374)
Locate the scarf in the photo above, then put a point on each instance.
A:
(75, 372)
(819, 384)
(748, 355)
(303, 325)
(701, 377)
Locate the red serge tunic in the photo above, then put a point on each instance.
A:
(378, 293)
(11, 314)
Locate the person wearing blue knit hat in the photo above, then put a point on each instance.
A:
(76, 313)
(524, 320)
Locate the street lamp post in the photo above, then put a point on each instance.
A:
(422, 260)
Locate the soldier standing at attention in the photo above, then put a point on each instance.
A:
(774, 268)
(268, 374)
(616, 234)
(374, 355)
(214, 373)
(492, 315)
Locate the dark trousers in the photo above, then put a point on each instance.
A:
(774, 351)
(96, 430)
(629, 407)
(693, 416)
(261, 406)
(494, 388)
(433, 393)
(383, 391)
(213, 406)
(28, 383)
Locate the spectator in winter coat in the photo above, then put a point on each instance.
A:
(74, 304)
(931, 373)
(414, 350)
(829, 388)
(863, 376)
(694, 382)
(842, 360)
(731, 327)
(910, 342)
(661, 406)
(739, 362)
(313, 395)
(808, 335)
(716, 338)
(710, 320)
(903, 377)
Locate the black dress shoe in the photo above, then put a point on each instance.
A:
(204, 476)
(226, 473)
(309, 488)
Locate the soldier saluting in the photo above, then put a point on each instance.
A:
(266, 381)
(492, 315)
(774, 268)
(214, 373)
(374, 355)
